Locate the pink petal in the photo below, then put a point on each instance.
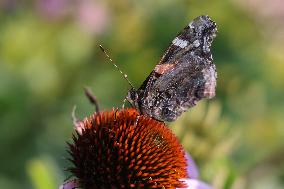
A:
(192, 170)
(195, 184)
(71, 184)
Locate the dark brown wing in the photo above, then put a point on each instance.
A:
(195, 38)
(193, 79)
(191, 46)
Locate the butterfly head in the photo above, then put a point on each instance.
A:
(203, 24)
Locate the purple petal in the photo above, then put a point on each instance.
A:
(195, 184)
(192, 170)
(71, 184)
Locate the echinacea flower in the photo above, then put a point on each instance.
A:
(123, 149)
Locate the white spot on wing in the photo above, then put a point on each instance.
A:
(190, 25)
(196, 43)
(179, 42)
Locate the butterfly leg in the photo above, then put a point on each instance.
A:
(124, 101)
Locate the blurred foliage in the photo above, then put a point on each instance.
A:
(49, 52)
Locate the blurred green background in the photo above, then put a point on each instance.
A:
(49, 52)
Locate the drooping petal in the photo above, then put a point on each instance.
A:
(70, 184)
(195, 184)
(192, 170)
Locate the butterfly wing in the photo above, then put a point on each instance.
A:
(184, 75)
(173, 93)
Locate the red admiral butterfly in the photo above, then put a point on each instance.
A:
(184, 75)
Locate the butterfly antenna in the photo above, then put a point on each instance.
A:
(92, 98)
(124, 75)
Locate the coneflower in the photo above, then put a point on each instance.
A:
(123, 149)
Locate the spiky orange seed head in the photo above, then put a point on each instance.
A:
(123, 149)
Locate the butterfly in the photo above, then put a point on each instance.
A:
(185, 74)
